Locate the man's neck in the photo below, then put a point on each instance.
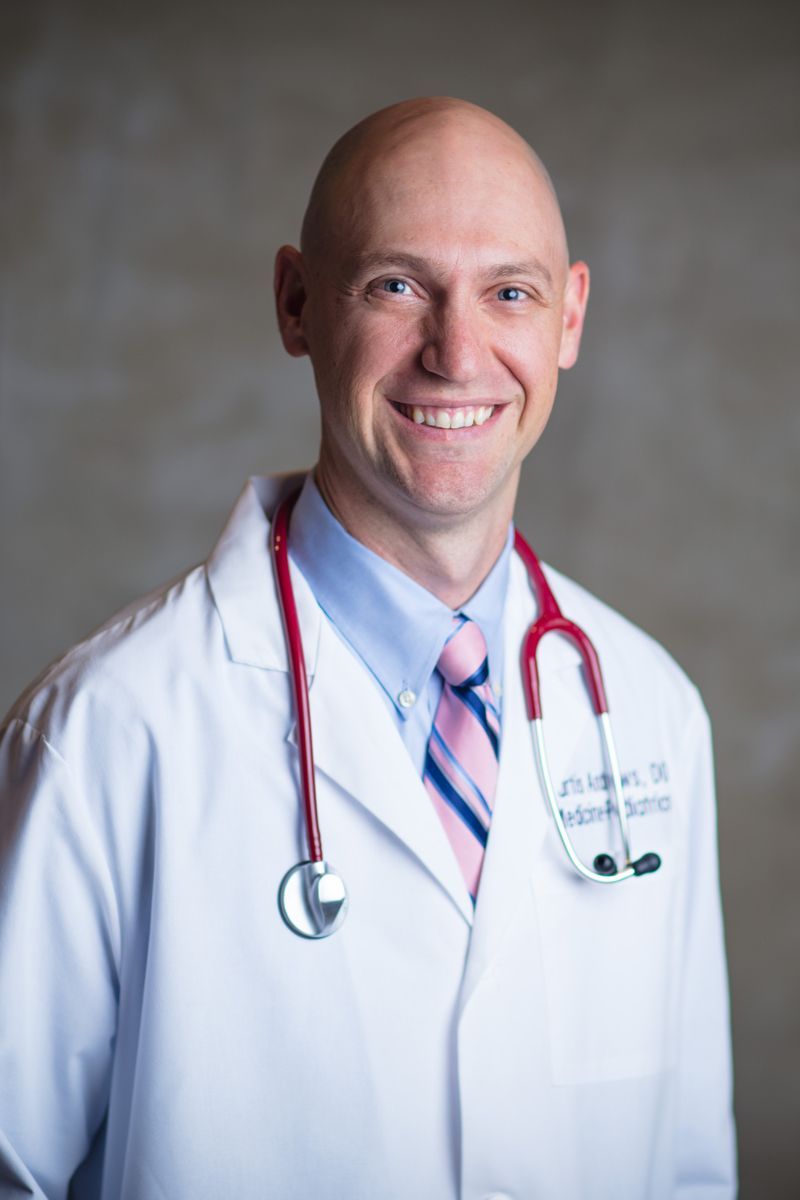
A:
(450, 557)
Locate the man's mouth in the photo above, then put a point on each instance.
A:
(447, 418)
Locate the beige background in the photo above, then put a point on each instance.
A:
(153, 157)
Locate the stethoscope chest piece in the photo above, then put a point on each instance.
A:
(312, 899)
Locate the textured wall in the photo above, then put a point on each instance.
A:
(153, 157)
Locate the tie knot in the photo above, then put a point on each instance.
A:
(463, 661)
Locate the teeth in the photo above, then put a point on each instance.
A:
(449, 418)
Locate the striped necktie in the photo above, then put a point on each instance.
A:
(461, 761)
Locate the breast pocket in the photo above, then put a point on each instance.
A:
(609, 963)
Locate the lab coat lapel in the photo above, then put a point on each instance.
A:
(522, 829)
(357, 745)
(242, 582)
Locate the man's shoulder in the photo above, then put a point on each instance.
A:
(172, 642)
(131, 657)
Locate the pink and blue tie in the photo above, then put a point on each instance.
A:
(461, 761)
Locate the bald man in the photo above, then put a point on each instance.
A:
(184, 1011)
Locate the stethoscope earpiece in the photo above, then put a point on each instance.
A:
(647, 863)
(604, 865)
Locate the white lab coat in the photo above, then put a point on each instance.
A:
(159, 1021)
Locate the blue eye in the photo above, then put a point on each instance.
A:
(397, 287)
(510, 293)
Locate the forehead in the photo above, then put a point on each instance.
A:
(467, 193)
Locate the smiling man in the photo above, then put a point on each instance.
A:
(434, 294)
(482, 1019)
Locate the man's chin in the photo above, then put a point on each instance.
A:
(451, 494)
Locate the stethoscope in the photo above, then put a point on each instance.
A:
(312, 898)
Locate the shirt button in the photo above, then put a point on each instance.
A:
(407, 698)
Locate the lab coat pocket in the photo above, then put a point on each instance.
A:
(608, 958)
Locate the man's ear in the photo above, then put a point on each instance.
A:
(290, 299)
(576, 296)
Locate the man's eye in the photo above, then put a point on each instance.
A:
(510, 293)
(398, 287)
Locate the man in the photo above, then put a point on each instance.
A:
(484, 1022)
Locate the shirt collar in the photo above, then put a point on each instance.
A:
(396, 626)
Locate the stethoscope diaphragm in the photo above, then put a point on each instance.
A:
(312, 899)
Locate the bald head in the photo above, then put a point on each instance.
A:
(420, 145)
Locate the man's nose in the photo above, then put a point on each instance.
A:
(454, 345)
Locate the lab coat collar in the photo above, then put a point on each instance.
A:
(242, 581)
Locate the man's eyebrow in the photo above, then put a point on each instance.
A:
(386, 259)
(529, 267)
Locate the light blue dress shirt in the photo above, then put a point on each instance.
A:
(396, 627)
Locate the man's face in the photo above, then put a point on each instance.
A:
(436, 322)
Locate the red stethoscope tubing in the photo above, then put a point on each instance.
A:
(294, 644)
(549, 620)
(552, 620)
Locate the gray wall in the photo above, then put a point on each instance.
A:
(156, 155)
